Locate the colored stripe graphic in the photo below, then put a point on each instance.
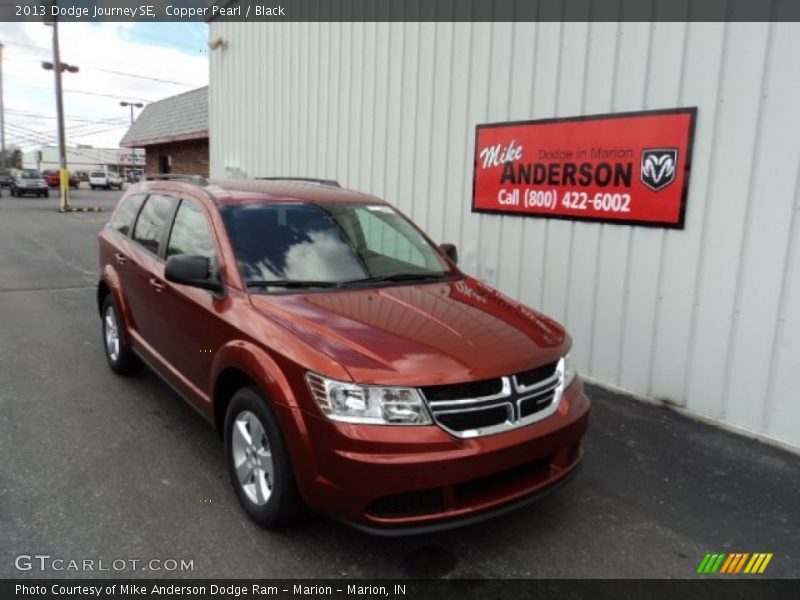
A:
(702, 567)
(741, 562)
(732, 560)
(733, 563)
(711, 563)
(765, 563)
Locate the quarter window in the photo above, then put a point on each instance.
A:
(150, 224)
(190, 233)
(126, 213)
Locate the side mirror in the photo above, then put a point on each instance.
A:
(191, 270)
(450, 251)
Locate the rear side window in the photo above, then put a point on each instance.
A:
(126, 213)
(150, 224)
(190, 233)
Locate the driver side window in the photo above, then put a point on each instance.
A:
(190, 234)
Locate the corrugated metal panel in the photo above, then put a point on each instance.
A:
(708, 317)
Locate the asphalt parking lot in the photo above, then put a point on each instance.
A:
(96, 466)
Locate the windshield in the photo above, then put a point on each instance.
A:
(30, 175)
(331, 243)
(98, 174)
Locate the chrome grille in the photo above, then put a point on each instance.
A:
(519, 400)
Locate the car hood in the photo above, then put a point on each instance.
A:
(421, 334)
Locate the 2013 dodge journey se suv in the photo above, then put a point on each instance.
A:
(350, 367)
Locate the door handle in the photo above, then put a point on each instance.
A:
(159, 286)
(121, 258)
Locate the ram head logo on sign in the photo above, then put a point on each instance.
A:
(658, 167)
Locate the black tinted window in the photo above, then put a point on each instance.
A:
(126, 213)
(190, 233)
(150, 224)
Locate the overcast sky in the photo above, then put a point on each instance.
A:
(141, 62)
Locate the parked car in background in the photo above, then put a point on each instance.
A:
(134, 175)
(347, 362)
(53, 179)
(29, 181)
(82, 175)
(105, 180)
(6, 178)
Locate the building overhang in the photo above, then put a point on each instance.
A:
(170, 139)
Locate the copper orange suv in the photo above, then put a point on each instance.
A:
(349, 365)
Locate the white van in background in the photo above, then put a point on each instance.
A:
(105, 180)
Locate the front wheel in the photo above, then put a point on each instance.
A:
(46, 193)
(119, 354)
(258, 462)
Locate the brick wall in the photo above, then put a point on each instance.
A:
(188, 158)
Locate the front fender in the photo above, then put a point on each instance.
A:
(258, 365)
(261, 368)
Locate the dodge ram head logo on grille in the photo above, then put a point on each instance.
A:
(658, 167)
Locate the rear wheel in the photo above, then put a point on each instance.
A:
(119, 354)
(258, 462)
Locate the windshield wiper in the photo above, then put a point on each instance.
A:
(293, 283)
(401, 277)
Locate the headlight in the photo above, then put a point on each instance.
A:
(568, 370)
(371, 404)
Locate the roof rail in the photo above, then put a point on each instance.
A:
(329, 182)
(198, 179)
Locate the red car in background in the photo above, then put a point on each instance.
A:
(53, 179)
(347, 362)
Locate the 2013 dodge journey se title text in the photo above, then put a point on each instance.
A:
(349, 365)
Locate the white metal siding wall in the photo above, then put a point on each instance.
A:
(708, 317)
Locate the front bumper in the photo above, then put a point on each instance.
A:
(405, 480)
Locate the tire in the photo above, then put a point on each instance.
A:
(46, 193)
(108, 188)
(93, 187)
(266, 489)
(119, 355)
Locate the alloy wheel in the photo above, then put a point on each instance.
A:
(111, 333)
(252, 458)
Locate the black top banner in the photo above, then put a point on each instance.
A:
(401, 10)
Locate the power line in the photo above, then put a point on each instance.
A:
(94, 155)
(45, 139)
(106, 95)
(82, 118)
(169, 81)
(113, 71)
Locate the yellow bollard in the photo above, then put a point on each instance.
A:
(64, 180)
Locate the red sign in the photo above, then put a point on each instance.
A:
(629, 168)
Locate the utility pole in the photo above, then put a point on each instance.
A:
(133, 150)
(62, 142)
(132, 104)
(2, 115)
(58, 67)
